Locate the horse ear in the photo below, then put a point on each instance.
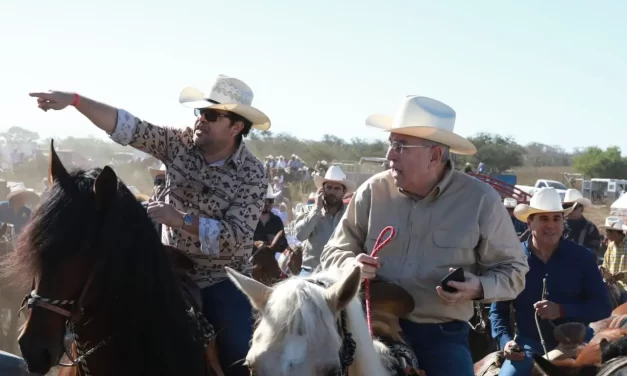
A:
(256, 292)
(56, 170)
(545, 365)
(106, 186)
(344, 290)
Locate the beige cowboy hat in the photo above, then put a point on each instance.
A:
(138, 195)
(270, 194)
(574, 196)
(335, 175)
(154, 172)
(20, 189)
(425, 118)
(228, 94)
(546, 200)
(510, 203)
(614, 223)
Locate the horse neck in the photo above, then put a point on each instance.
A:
(367, 361)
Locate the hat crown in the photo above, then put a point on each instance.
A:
(510, 202)
(417, 111)
(572, 195)
(615, 223)
(17, 187)
(546, 199)
(227, 89)
(335, 173)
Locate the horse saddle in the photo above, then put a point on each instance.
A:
(182, 265)
(569, 337)
(390, 298)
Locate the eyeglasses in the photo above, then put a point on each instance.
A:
(398, 146)
(210, 114)
(270, 201)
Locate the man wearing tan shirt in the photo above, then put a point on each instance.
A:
(444, 219)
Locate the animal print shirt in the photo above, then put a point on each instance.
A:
(227, 196)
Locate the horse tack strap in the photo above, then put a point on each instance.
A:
(618, 322)
(50, 304)
(381, 242)
(612, 366)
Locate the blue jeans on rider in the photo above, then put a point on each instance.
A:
(529, 345)
(441, 349)
(11, 365)
(230, 313)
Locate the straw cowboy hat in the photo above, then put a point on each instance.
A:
(425, 118)
(510, 203)
(574, 196)
(154, 172)
(335, 175)
(228, 94)
(20, 189)
(270, 194)
(614, 223)
(138, 195)
(546, 200)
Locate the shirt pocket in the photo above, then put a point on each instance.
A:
(455, 248)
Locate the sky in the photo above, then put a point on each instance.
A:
(540, 71)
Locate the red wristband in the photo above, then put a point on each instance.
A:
(76, 98)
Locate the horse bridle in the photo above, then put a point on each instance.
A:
(73, 315)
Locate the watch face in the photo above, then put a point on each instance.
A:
(187, 220)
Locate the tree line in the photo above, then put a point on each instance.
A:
(499, 152)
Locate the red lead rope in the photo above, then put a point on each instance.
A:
(381, 242)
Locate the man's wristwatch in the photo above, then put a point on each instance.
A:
(188, 220)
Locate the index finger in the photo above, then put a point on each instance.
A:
(40, 95)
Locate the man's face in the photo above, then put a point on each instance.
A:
(18, 200)
(333, 193)
(615, 235)
(267, 205)
(547, 228)
(411, 158)
(215, 128)
(577, 213)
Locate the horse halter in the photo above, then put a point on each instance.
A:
(73, 317)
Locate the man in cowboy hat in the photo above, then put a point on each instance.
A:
(614, 267)
(14, 210)
(269, 223)
(216, 191)
(574, 288)
(444, 219)
(578, 228)
(315, 228)
(519, 226)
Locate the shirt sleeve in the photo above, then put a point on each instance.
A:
(499, 321)
(305, 224)
(236, 229)
(593, 240)
(158, 141)
(501, 259)
(349, 236)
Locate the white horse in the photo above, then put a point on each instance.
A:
(297, 329)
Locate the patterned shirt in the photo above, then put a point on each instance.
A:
(227, 196)
(615, 259)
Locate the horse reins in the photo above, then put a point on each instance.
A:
(381, 242)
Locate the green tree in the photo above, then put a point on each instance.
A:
(594, 162)
(499, 153)
(19, 134)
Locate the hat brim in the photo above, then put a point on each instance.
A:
(585, 202)
(320, 180)
(194, 98)
(456, 143)
(523, 211)
(32, 197)
(154, 172)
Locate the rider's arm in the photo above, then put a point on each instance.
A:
(500, 256)
(595, 303)
(236, 229)
(606, 256)
(305, 224)
(347, 241)
(500, 322)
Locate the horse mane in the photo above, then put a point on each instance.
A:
(301, 304)
(134, 284)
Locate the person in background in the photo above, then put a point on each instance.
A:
(269, 223)
(14, 210)
(519, 226)
(281, 212)
(468, 168)
(614, 267)
(575, 291)
(315, 227)
(579, 229)
(482, 168)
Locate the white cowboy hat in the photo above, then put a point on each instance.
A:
(425, 118)
(154, 172)
(510, 202)
(574, 196)
(20, 188)
(335, 175)
(270, 194)
(614, 223)
(546, 200)
(228, 94)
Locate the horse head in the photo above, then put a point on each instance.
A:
(297, 330)
(93, 257)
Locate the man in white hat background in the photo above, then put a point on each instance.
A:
(519, 226)
(614, 267)
(269, 223)
(444, 219)
(216, 191)
(575, 291)
(14, 210)
(315, 227)
(578, 228)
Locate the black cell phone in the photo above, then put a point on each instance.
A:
(456, 275)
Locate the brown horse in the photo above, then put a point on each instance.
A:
(266, 268)
(10, 295)
(99, 269)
